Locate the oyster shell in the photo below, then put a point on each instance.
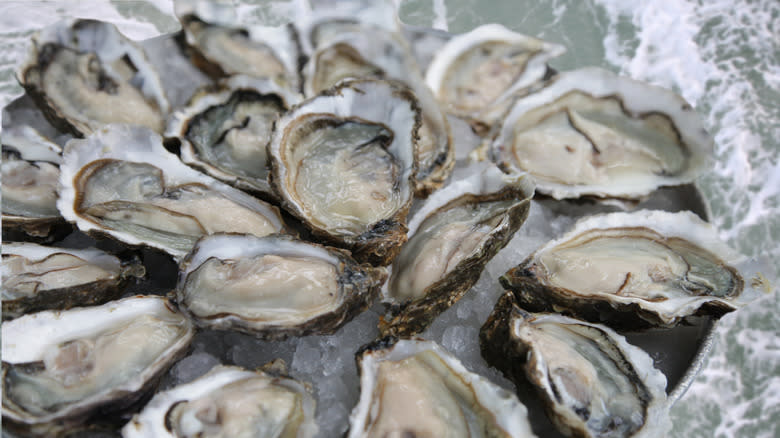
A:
(451, 239)
(416, 388)
(591, 132)
(38, 277)
(232, 402)
(475, 74)
(122, 182)
(84, 74)
(60, 368)
(273, 287)
(633, 271)
(223, 46)
(225, 132)
(343, 162)
(593, 382)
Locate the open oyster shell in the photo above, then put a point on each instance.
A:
(343, 163)
(62, 367)
(84, 74)
(593, 382)
(633, 271)
(451, 239)
(39, 277)
(122, 182)
(273, 287)
(475, 74)
(591, 132)
(225, 132)
(416, 388)
(229, 401)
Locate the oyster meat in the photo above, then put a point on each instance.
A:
(231, 402)
(451, 239)
(274, 286)
(633, 271)
(343, 162)
(62, 367)
(591, 132)
(84, 74)
(416, 388)
(225, 132)
(39, 277)
(122, 182)
(593, 382)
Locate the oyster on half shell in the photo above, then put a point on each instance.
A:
(343, 163)
(62, 367)
(590, 132)
(122, 182)
(593, 383)
(416, 388)
(230, 402)
(84, 74)
(274, 286)
(633, 271)
(451, 238)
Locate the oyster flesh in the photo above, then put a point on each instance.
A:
(343, 163)
(39, 277)
(416, 388)
(633, 271)
(274, 286)
(475, 75)
(62, 367)
(225, 132)
(451, 239)
(230, 402)
(121, 181)
(84, 74)
(593, 382)
(591, 132)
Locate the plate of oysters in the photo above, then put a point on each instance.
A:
(348, 226)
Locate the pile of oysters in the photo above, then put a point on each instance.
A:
(299, 175)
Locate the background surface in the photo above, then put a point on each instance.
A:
(723, 56)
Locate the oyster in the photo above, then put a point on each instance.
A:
(475, 75)
(451, 239)
(222, 46)
(225, 132)
(367, 44)
(343, 162)
(60, 368)
(591, 132)
(632, 271)
(38, 277)
(122, 182)
(231, 402)
(274, 286)
(593, 382)
(416, 388)
(84, 74)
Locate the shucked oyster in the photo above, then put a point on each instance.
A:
(274, 286)
(84, 74)
(343, 162)
(225, 132)
(593, 382)
(417, 389)
(122, 182)
(633, 270)
(451, 239)
(60, 368)
(475, 74)
(229, 402)
(591, 132)
(39, 277)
